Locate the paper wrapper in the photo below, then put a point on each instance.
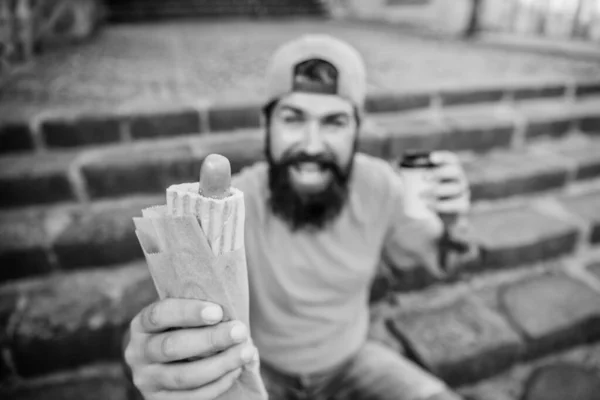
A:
(183, 264)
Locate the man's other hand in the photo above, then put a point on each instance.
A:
(180, 349)
(450, 194)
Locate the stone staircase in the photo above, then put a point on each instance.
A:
(72, 273)
(143, 10)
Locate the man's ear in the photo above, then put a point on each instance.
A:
(359, 114)
(266, 112)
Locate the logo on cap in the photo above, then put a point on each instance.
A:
(315, 76)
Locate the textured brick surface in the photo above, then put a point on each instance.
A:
(548, 126)
(150, 167)
(480, 131)
(228, 117)
(558, 382)
(138, 168)
(11, 305)
(34, 179)
(590, 124)
(588, 89)
(412, 134)
(98, 382)
(85, 130)
(373, 139)
(511, 385)
(584, 153)
(15, 137)
(459, 96)
(552, 312)
(170, 123)
(103, 235)
(381, 102)
(462, 341)
(555, 118)
(520, 235)
(131, 12)
(504, 174)
(594, 268)
(78, 318)
(23, 243)
(587, 207)
(541, 91)
(242, 148)
(113, 69)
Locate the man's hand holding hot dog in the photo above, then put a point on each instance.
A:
(179, 349)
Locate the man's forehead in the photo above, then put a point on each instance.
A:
(316, 104)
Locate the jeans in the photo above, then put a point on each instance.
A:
(374, 373)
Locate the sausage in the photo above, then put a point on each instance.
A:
(215, 177)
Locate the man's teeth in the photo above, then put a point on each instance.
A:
(309, 167)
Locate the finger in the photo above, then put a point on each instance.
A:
(176, 313)
(194, 342)
(220, 386)
(459, 205)
(196, 374)
(207, 392)
(449, 191)
(442, 157)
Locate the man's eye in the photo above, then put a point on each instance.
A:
(291, 119)
(338, 122)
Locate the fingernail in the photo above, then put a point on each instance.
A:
(212, 314)
(248, 353)
(238, 333)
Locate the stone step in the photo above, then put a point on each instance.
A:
(144, 10)
(76, 128)
(572, 374)
(501, 167)
(71, 318)
(40, 239)
(513, 234)
(463, 331)
(487, 323)
(95, 382)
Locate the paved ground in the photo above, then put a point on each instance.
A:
(172, 61)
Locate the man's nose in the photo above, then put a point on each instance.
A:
(313, 140)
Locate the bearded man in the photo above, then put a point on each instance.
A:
(319, 219)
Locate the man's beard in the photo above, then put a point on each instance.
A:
(307, 210)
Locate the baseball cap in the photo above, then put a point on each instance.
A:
(317, 63)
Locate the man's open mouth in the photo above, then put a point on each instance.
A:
(310, 173)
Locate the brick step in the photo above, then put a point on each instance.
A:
(463, 332)
(39, 239)
(95, 382)
(571, 374)
(185, 12)
(511, 235)
(149, 166)
(76, 128)
(486, 323)
(73, 319)
(138, 10)
(577, 366)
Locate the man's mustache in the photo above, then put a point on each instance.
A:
(322, 159)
